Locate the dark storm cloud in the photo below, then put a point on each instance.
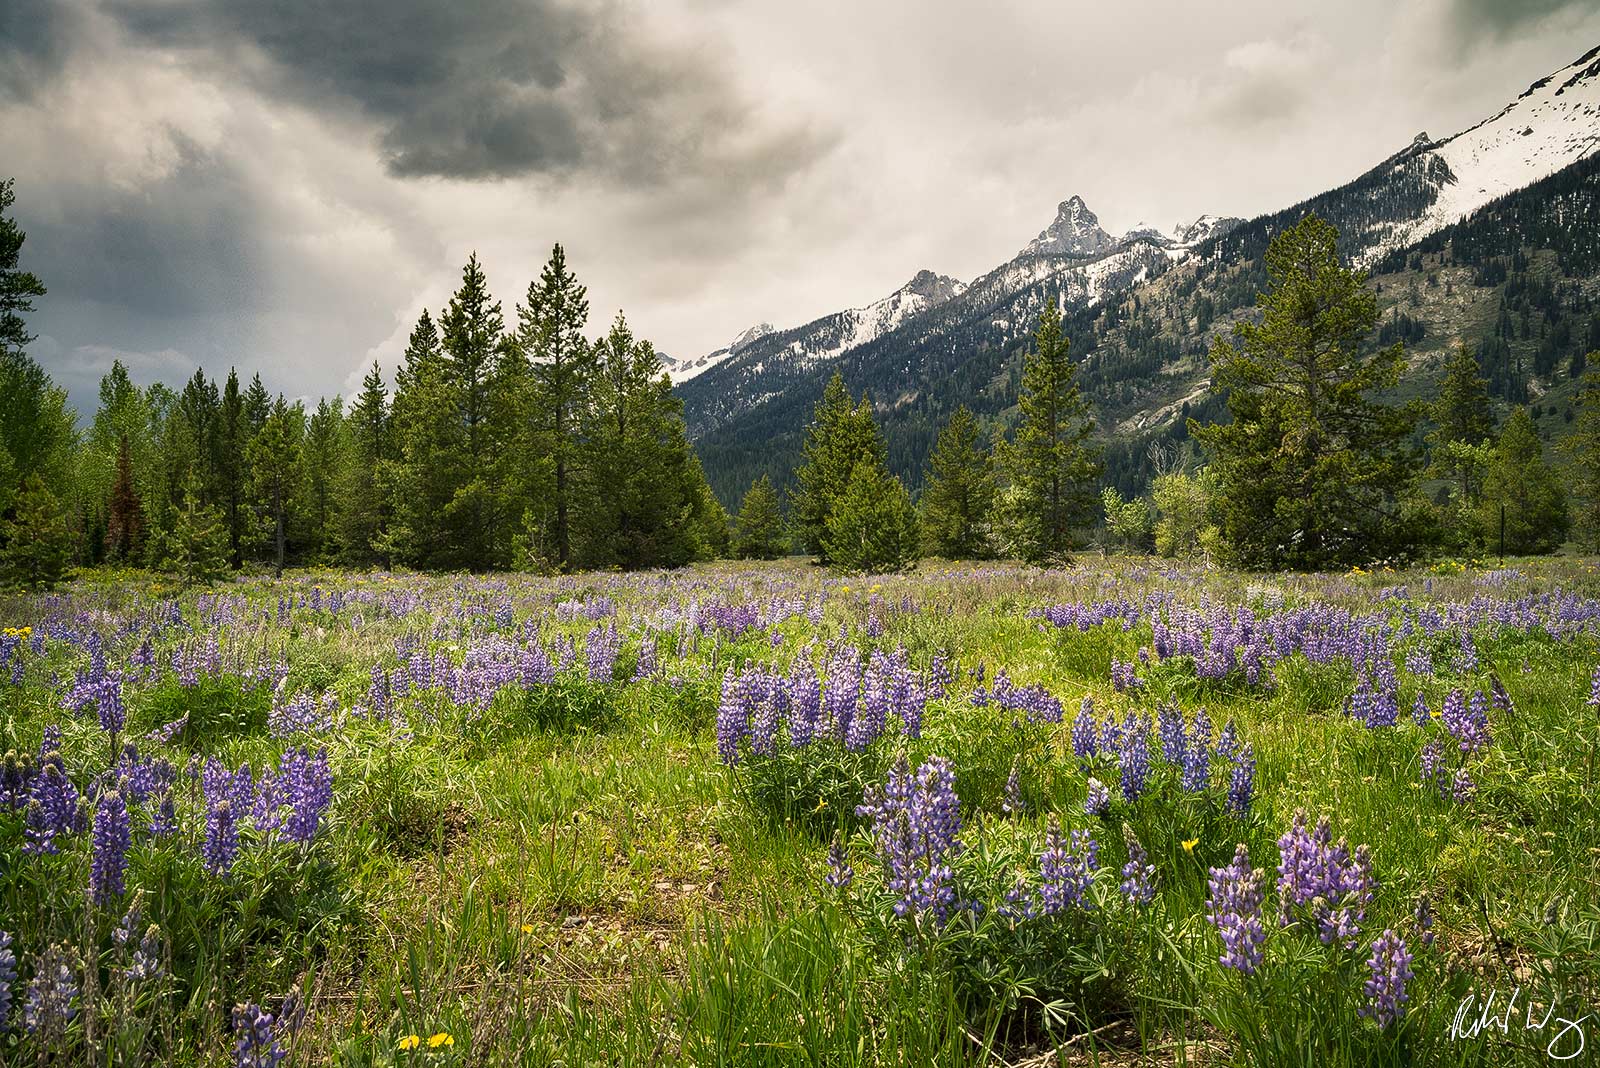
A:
(1478, 20)
(35, 37)
(486, 89)
(178, 246)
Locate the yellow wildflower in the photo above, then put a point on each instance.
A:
(527, 928)
(410, 1042)
(441, 1039)
(1189, 844)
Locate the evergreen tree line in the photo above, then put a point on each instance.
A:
(526, 444)
(523, 444)
(1029, 496)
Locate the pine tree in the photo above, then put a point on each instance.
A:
(643, 486)
(1582, 447)
(35, 541)
(1312, 471)
(322, 458)
(873, 526)
(1464, 425)
(428, 452)
(124, 511)
(550, 333)
(363, 511)
(197, 549)
(470, 337)
(123, 419)
(1050, 460)
(1522, 495)
(759, 534)
(958, 493)
(841, 436)
(274, 465)
(232, 477)
(17, 287)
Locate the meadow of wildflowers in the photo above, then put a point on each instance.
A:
(761, 814)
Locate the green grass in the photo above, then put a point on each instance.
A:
(570, 876)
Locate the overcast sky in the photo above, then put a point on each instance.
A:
(282, 185)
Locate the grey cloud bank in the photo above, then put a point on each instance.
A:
(283, 185)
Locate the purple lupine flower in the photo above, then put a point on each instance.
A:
(112, 837)
(164, 820)
(1084, 741)
(1242, 783)
(1138, 874)
(52, 808)
(1134, 760)
(916, 821)
(257, 1038)
(840, 873)
(1432, 760)
(221, 846)
(1097, 802)
(1419, 661)
(1233, 905)
(1011, 802)
(648, 663)
(1462, 787)
(1066, 870)
(307, 785)
(301, 715)
(1498, 695)
(50, 1004)
(1466, 661)
(8, 978)
(805, 702)
(1124, 675)
(1593, 700)
(1020, 903)
(109, 704)
(733, 718)
(600, 648)
(1419, 711)
(1197, 754)
(1390, 967)
(164, 735)
(17, 772)
(1321, 881)
(873, 714)
(145, 961)
(1424, 918)
(1174, 739)
(762, 697)
(1227, 742)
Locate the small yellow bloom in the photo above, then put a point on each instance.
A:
(527, 928)
(1189, 844)
(844, 589)
(410, 1042)
(822, 803)
(441, 1039)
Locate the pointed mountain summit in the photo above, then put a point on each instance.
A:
(1075, 232)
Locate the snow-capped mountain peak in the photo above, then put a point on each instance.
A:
(1552, 125)
(750, 336)
(1075, 232)
(1204, 227)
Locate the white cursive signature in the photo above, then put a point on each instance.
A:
(1474, 1017)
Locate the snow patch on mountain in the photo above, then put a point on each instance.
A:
(1553, 125)
(683, 370)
